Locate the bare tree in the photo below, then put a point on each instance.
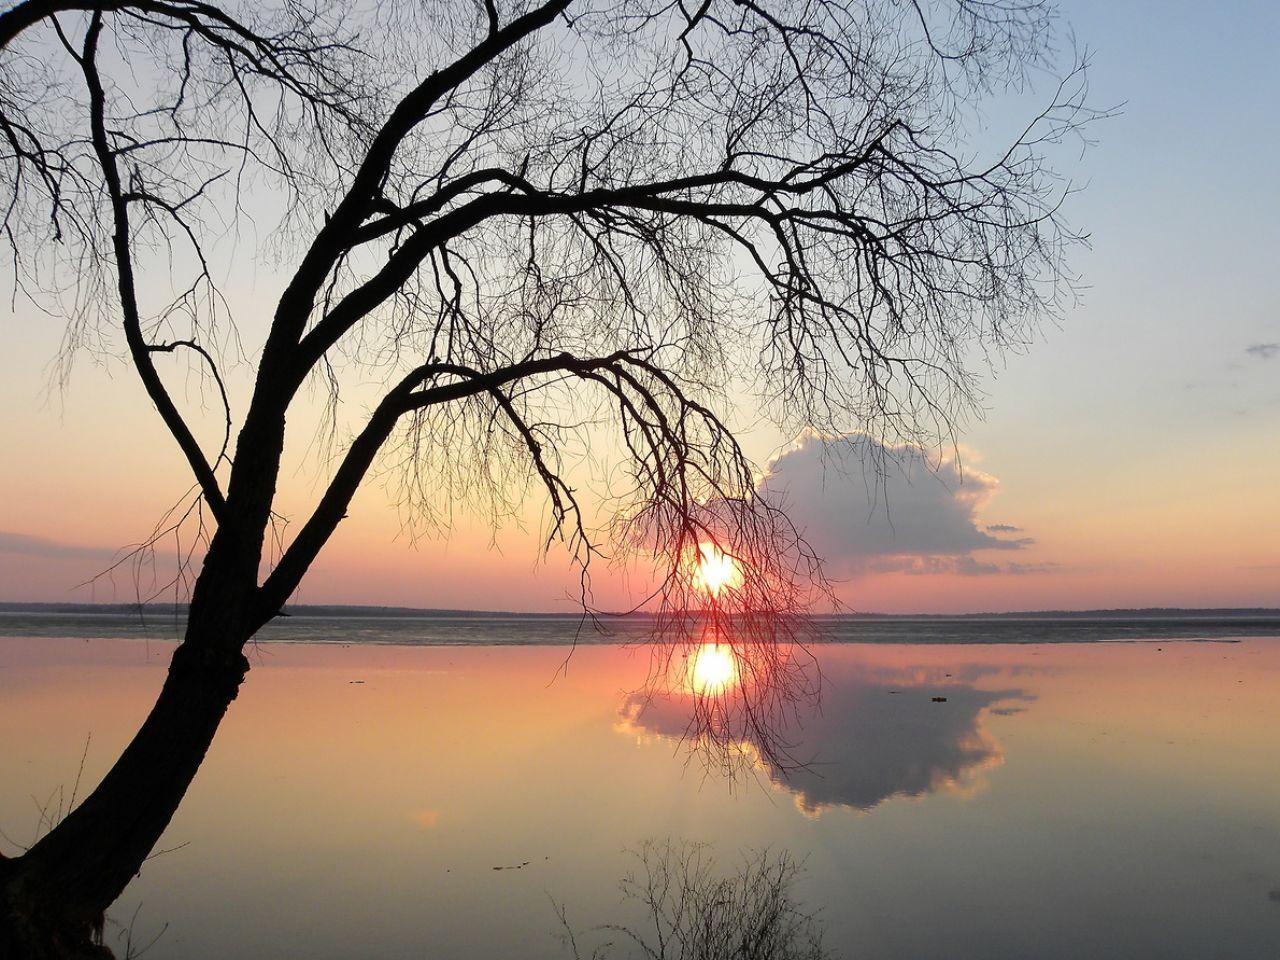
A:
(547, 225)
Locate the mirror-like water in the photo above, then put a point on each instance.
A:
(1063, 800)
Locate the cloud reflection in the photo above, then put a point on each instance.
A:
(878, 734)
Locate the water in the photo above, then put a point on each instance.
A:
(1064, 800)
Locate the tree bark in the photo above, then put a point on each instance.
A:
(53, 897)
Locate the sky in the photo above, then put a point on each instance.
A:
(1130, 457)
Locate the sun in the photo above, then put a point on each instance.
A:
(716, 570)
(713, 669)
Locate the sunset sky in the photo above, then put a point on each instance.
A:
(1131, 457)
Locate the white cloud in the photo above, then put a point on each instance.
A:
(867, 507)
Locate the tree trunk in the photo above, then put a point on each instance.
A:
(53, 897)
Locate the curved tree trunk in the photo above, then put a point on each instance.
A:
(53, 897)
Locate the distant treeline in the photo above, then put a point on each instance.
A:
(340, 611)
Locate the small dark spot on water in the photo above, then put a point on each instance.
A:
(939, 699)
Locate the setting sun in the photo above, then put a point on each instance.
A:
(716, 570)
(713, 669)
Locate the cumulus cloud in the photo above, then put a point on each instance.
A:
(1263, 351)
(965, 566)
(868, 507)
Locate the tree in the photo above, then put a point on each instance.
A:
(541, 222)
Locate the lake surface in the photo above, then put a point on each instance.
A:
(1065, 800)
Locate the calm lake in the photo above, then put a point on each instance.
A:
(1064, 800)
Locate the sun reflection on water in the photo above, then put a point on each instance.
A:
(713, 669)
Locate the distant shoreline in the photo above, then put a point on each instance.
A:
(314, 623)
(369, 612)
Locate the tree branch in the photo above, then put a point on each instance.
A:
(139, 349)
(404, 397)
(334, 237)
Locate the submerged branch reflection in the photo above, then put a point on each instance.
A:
(732, 691)
(687, 907)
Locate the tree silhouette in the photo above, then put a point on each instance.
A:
(541, 224)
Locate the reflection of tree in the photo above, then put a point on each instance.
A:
(877, 735)
(770, 680)
(694, 911)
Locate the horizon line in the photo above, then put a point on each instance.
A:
(395, 610)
